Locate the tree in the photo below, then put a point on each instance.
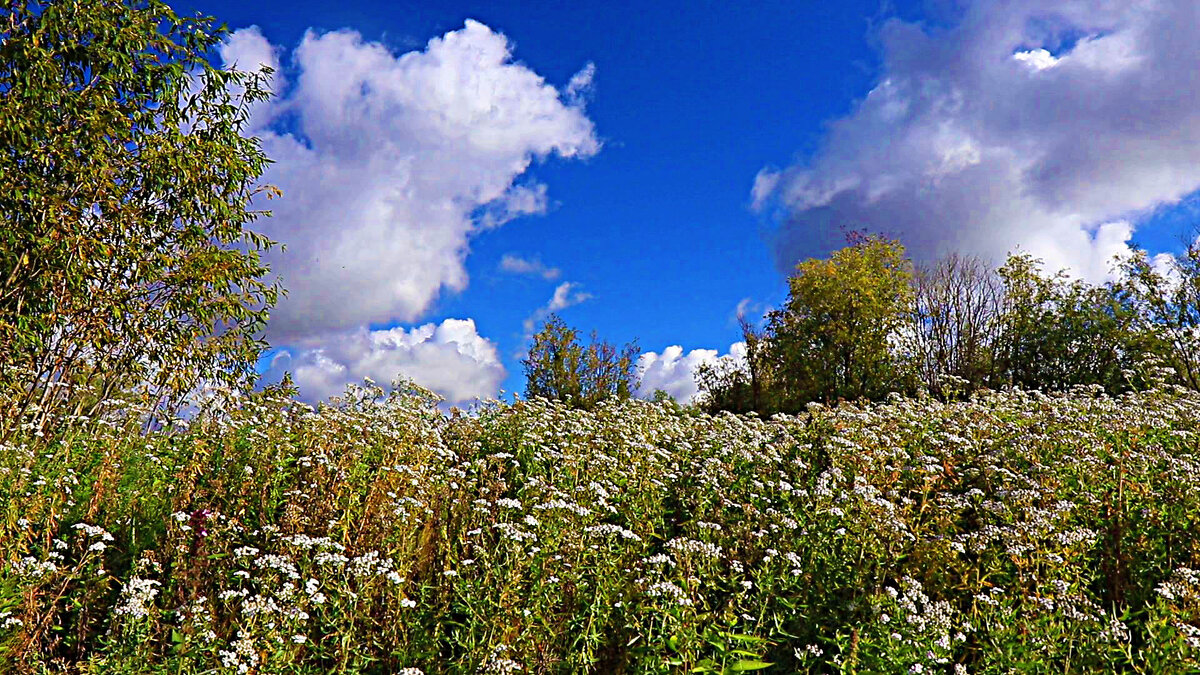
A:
(738, 385)
(1056, 332)
(954, 324)
(125, 188)
(558, 367)
(1164, 296)
(835, 338)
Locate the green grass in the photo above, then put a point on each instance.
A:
(1017, 533)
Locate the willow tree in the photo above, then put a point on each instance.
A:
(126, 185)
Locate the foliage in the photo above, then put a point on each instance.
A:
(834, 337)
(865, 324)
(738, 385)
(1056, 333)
(559, 368)
(125, 186)
(1015, 532)
(1166, 304)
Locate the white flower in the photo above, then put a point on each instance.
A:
(137, 597)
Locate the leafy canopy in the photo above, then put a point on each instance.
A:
(561, 368)
(833, 339)
(125, 188)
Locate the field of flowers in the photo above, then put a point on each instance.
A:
(1018, 532)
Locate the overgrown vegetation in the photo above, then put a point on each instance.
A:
(960, 530)
(1015, 532)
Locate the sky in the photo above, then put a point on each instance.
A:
(453, 172)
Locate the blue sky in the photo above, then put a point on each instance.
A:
(706, 148)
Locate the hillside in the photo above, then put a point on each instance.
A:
(1017, 532)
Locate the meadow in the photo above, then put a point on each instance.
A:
(1015, 532)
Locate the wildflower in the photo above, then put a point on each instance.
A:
(670, 590)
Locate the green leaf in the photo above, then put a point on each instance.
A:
(741, 637)
(747, 664)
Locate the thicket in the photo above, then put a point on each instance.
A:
(867, 322)
(560, 367)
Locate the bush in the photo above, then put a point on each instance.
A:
(558, 367)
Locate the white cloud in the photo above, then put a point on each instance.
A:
(1038, 59)
(674, 372)
(581, 84)
(518, 265)
(566, 294)
(450, 358)
(390, 163)
(997, 133)
(520, 200)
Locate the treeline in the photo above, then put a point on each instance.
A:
(867, 322)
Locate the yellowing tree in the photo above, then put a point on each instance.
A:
(836, 337)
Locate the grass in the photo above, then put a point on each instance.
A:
(1017, 532)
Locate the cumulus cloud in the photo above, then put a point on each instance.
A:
(390, 163)
(530, 266)
(675, 372)
(450, 358)
(1045, 127)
